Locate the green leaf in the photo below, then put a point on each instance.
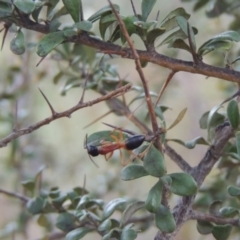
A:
(192, 143)
(17, 44)
(233, 114)
(229, 212)
(130, 26)
(106, 20)
(130, 210)
(49, 42)
(78, 233)
(74, 9)
(221, 232)
(113, 234)
(237, 135)
(84, 25)
(26, 6)
(217, 119)
(105, 225)
(165, 220)
(43, 221)
(199, 140)
(211, 118)
(147, 6)
(233, 191)
(154, 198)
(132, 172)
(169, 22)
(214, 207)
(183, 24)
(179, 43)
(153, 34)
(220, 45)
(112, 206)
(35, 205)
(204, 227)
(182, 184)
(128, 234)
(103, 10)
(178, 119)
(65, 222)
(29, 185)
(5, 9)
(154, 163)
(223, 37)
(178, 34)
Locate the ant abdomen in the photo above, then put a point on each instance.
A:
(134, 142)
(92, 150)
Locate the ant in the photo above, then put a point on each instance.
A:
(107, 147)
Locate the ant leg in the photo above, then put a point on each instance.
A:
(109, 156)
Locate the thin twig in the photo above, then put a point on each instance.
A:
(84, 89)
(134, 10)
(177, 158)
(15, 124)
(214, 219)
(66, 113)
(170, 76)
(142, 77)
(153, 57)
(15, 195)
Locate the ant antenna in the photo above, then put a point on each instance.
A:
(86, 147)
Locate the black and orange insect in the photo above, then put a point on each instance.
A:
(107, 148)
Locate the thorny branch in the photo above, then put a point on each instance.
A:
(149, 56)
(15, 195)
(142, 77)
(66, 113)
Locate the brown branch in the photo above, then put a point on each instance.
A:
(142, 77)
(177, 159)
(66, 113)
(170, 76)
(15, 195)
(195, 215)
(149, 56)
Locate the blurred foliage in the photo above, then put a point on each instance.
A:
(78, 212)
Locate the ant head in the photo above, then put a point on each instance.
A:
(92, 150)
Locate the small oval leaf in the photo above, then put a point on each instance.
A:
(233, 114)
(26, 6)
(74, 8)
(49, 42)
(147, 6)
(154, 162)
(228, 212)
(233, 191)
(221, 232)
(130, 210)
(154, 198)
(165, 220)
(17, 45)
(128, 234)
(132, 172)
(182, 184)
(112, 206)
(204, 227)
(36, 205)
(78, 233)
(65, 222)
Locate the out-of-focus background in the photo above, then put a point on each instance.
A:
(59, 145)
